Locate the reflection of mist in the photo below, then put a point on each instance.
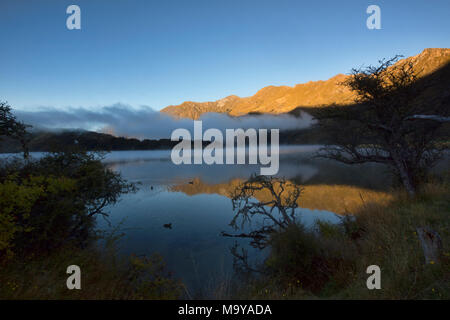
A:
(156, 166)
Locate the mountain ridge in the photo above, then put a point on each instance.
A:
(282, 99)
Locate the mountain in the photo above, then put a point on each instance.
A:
(282, 99)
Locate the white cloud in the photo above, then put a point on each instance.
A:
(123, 120)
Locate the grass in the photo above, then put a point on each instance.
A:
(103, 276)
(330, 262)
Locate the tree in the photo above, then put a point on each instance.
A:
(54, 201)
(396, 121)
(10, 127)
(278, 209)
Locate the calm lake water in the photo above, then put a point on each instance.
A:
(193, 198)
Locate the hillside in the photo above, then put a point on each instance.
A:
(282, 99)
(50, 141)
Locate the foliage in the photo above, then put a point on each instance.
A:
(18, 203)
(105, 275)
(149, 277)
(310, 259)
(10, 127)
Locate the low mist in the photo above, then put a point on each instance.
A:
(123, 120)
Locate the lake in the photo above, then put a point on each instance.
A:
(194, 200)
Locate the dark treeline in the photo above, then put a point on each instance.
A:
(88, 140)
(44, 141)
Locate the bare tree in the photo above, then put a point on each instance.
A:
(278, 210)
(396, 121)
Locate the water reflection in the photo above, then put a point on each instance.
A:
(296, 162)
(194, 199)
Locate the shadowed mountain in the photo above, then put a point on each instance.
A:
(283, 99)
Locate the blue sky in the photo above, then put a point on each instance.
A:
(157, 53)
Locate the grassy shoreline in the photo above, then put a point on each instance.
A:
(331, 262)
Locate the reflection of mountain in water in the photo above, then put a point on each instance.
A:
(328, 185)
(341, 199)
(296, 163)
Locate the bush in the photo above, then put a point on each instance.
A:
(25, 217)
(47, 203)
(310, 259)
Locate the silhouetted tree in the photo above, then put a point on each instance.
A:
(395, 122)
(10, 127)
(278, 209)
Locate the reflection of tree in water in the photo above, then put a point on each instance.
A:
(277, 210)
(371, 176)
(337, 198)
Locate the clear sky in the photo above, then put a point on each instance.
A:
(157, 53)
